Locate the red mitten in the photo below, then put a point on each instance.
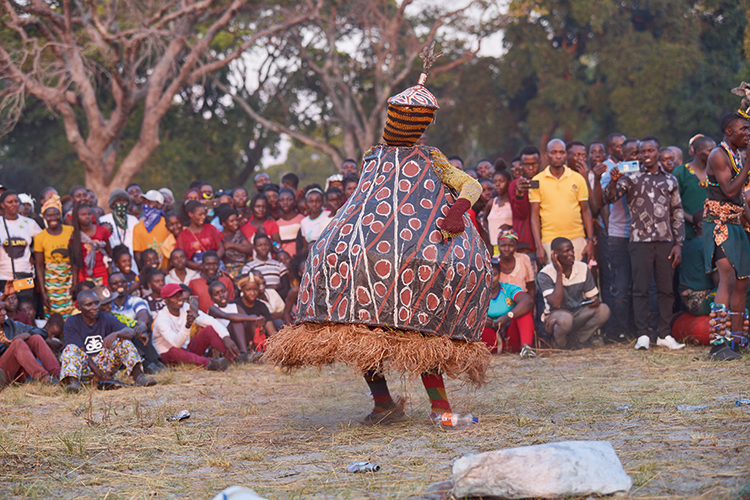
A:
(453, 224)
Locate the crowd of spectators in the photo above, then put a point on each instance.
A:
(206, 278)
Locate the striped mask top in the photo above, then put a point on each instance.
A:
(409, 114)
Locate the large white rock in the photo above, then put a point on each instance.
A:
(550, 470)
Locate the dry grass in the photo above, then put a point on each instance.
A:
(291, 436)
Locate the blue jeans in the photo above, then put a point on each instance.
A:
(620, 281)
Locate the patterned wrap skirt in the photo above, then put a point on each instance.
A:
(58, 280)
(382, 285)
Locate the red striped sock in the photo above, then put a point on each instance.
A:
(436, 392)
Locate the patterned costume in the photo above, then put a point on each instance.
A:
(395, 281)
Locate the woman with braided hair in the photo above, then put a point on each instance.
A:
(399, 279)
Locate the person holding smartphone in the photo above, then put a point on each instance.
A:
(518, 192)
(572, 310)
(657, 232)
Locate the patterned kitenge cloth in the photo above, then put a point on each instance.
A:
(382, 261)
(57, 282)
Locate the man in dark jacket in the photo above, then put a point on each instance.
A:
(20, 347)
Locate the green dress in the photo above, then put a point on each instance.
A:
(693, 195)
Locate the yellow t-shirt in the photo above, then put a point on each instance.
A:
(143, 240)
(55, 248)
(559, 204)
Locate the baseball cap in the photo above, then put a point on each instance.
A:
(154, 195)
(170, 289)
(104, 295)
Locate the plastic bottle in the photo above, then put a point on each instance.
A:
(454, 419)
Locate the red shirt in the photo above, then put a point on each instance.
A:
(100, 270)
(269, 226)
(521, 209)
(208, 239)
(200, 288)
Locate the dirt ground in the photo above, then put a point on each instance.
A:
(292, 436)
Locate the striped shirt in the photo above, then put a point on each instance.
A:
(272, 270)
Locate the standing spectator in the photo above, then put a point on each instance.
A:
(271, 192)
(239, 200)
(136, 197)
(693, 185)
(236, 246)
(348, 168)
(317, 220)
(498, 213)
(334, 200)
(260, 221)
(168, 199)
(666, 160)
(618, 238)
(656, 235)
(20, 348)
(350, 186)
(519, 200)
(456, 161)
(572, 309)
(97, 344)
(560, 207)
(274, 272)
(180, 273)
(52, 260)
(89, 248)
(17, 235)
(259, 181)
(292, 182)
(172, 334)
(485, 169)
(209, 274)
(152, 231)
(175, 227)
(198, 237)
(516, 167)
(677, 152)
(121, 223)
(289, 223)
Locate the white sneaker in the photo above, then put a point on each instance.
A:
(670, 343)
(643, 343)
(527, 352)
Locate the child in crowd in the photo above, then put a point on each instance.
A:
(155, 282)
(180, 273)
(175, 227)
(124, 264)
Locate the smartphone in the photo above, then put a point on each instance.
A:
(210, 203)
(23, 284)
(587, 302)
(533, 184)
(629, 167)
(194, 301)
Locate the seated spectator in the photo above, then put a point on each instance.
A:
(317, 219)
(96, 344)
(237, 248)
(272, 301)
(54, 329)
(209, 274)
(509, 312)
(289, 224)
(175, 227)
(572, 311)
(180, 273)
(274, 272)
(136, 309)
(198, 237)
(239, 325)
(515, 268)
(260, 220)
(24, 351)
(149, 257)
(29, 310)
(249, 304)
(124, 264)
(172, 333)
(155, 282)
(10, 301)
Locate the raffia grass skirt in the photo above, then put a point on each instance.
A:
(366, 349)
